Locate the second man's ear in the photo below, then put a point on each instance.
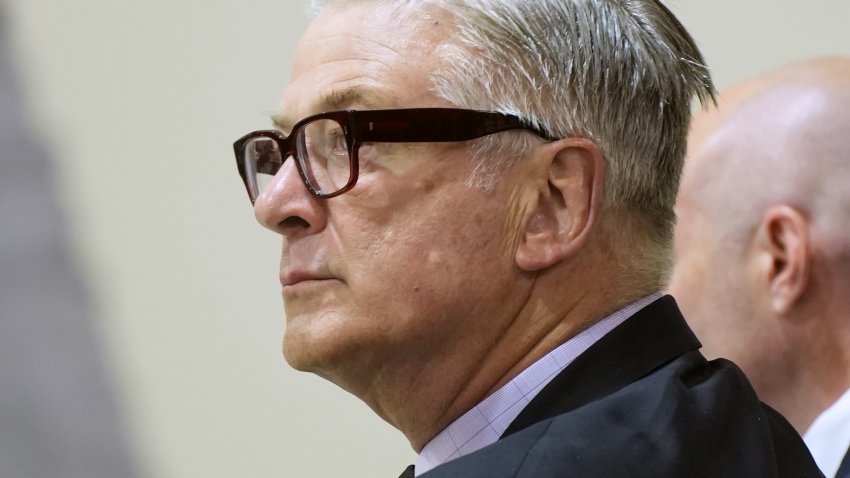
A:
(567, 197)
(784, 243)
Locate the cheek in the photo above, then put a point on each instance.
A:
(422, 229)
(430, 255)
(437, 248)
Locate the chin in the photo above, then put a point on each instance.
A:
(325, 345)
(349, 364)
(305, 350)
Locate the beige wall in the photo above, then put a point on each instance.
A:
(140, 101)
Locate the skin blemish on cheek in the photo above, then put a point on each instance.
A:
(434, 257)
(427, 186)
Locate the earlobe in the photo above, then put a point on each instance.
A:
(568, 195)
(785, 233)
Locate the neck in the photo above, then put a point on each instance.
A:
(804, 401)
(443, 390)
(821, 372)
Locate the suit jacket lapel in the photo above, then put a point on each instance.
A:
(652, 337)
(407, 473)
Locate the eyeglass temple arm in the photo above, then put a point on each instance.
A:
(431, 125)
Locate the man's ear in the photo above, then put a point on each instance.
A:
(567, 196)
(783, 243)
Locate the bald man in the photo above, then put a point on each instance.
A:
(763, 245)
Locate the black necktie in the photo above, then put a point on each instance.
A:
(407, 473)
(843, 470)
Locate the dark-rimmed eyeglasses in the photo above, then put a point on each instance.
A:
(326, 146)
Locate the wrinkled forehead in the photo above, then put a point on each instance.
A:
(364, 55)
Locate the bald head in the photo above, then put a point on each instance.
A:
(762, 240)
(782, 138)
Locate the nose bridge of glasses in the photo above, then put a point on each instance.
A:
(286, 149)
(287, 182)
(283, 148)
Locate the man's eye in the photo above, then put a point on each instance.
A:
(337, 142)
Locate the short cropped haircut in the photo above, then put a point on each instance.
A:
(622, 73)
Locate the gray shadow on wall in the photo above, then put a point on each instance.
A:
(58, 417)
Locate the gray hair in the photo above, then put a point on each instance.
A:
(622, 73)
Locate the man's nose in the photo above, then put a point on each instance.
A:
(287, 207)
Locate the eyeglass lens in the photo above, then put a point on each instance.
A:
(262, 162)
(321, 150)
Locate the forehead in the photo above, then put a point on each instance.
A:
(363, 55)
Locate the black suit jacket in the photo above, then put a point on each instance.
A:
(643, 402)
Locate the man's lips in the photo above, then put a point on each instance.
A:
(294, 277)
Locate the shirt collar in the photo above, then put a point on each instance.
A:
(829, 436)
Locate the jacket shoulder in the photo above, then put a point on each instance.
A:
(689, 418)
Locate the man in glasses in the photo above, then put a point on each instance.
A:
(763, 235)
(476, 205)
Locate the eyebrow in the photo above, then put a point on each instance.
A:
(338, 99)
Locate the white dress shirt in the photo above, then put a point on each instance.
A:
(485, 423)
(829, 436)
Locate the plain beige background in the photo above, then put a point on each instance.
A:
(139, 101)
